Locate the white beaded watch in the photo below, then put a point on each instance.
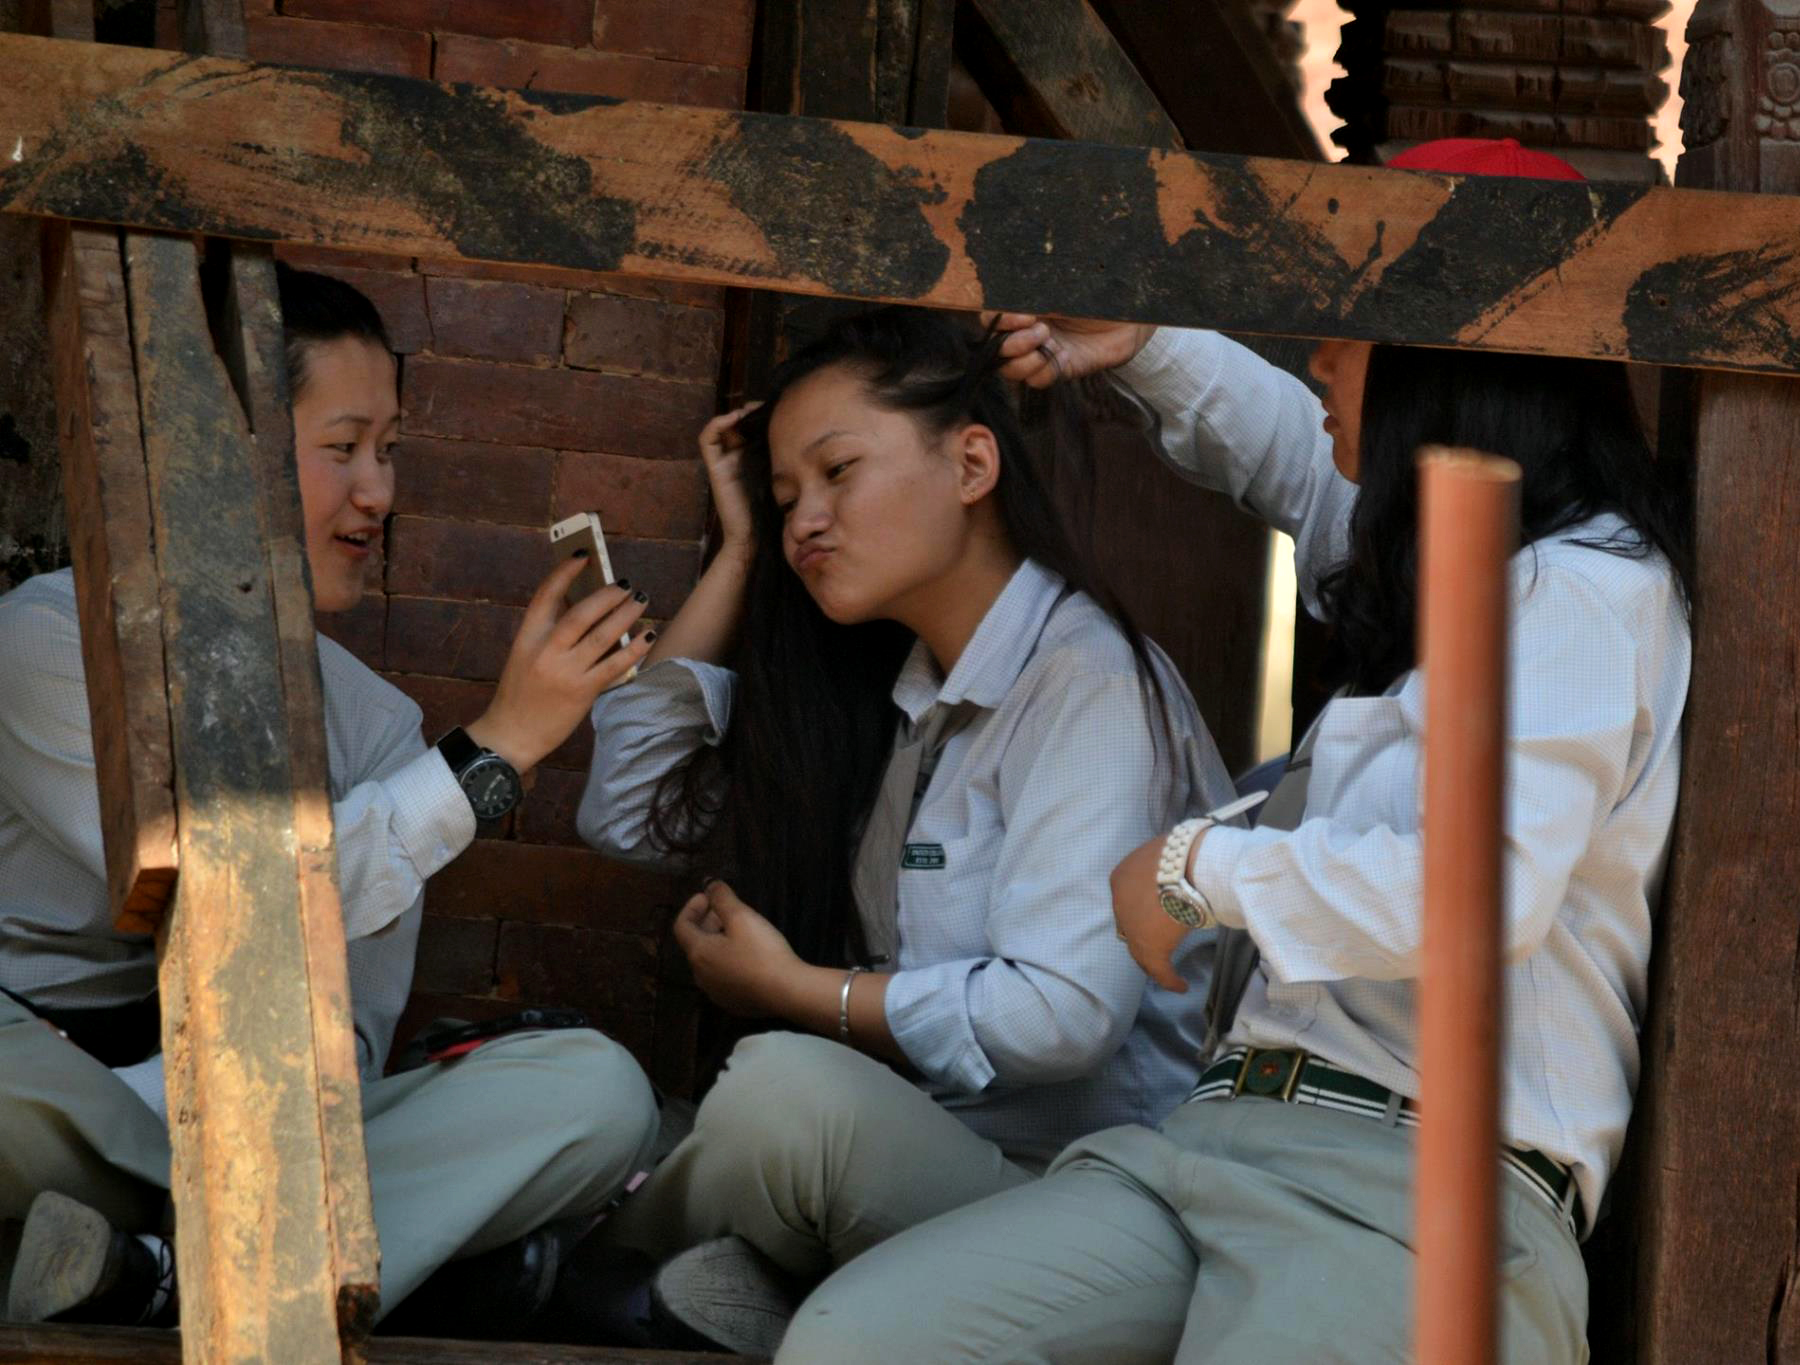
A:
(1182, 901)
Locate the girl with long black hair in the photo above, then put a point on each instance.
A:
(906, 721)
(1269, 1218)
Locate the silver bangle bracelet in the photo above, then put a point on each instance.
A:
(844, 1004)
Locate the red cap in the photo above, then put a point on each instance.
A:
(1484, 156)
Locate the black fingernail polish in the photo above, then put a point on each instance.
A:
(640, 597)
(649, 637)
(623, 582)
(579, 554)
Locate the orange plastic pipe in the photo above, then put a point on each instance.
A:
(1469, 528)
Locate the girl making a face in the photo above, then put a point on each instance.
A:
(902, 716)
(1269, 1218)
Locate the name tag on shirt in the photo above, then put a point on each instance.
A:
(923, 857)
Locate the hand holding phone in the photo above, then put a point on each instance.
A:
(580, 535)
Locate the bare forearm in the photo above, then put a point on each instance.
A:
(813, 998)
(707, 623)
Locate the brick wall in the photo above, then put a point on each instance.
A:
(530, 394)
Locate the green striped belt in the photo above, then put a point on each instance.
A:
(1297, 1077)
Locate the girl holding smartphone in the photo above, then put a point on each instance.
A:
(902, 715)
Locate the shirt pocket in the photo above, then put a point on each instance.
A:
(944, 889)
(1365, 763)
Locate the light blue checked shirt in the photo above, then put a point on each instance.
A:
(398, 811)
(1013, 997)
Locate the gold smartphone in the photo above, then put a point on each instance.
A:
(572, 535)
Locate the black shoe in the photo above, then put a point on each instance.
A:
(728, 1295)
(494, 1296)
(74, 1266)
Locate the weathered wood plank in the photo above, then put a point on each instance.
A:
(106, 492)
(950, 219)
(1064, 56)
(248, 1123)
(51, 1345)
(1718, 1147)
(254, 356)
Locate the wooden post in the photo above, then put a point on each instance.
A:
(1717, 1151)
(1469, 528)
(265, 1122)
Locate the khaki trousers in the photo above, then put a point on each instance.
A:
(813, 1153)
(1244, 1232)
(463, 1155)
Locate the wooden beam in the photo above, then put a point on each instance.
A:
(1077, 76)
(106, 492)
(263, 1107)
(955, 220)
(52, 1345)
(1216, 73)
(1717, 1151)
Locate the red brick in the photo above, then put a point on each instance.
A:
(656, 499)
(450, 639)
(557, 277)
(457, 701)
(325, 259)
(636, 336)
(715, 32)
(552, 885)
(456, 956)
(479, 562)
(547, 815)
(552, 963)
(473, 481)
(398, 295)
(342, 47)
(568, 409)
(469, 561)
(547, 21)
(488, 320)
(582, 71)
(362, 630)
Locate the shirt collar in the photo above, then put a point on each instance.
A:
(996, 653)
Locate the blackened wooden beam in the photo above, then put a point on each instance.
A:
(1071, 66)
(959, 220)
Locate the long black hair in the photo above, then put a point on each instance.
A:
(1571, 427)
(778, 800)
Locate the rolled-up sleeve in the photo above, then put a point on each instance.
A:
(643, 731)
(393, 832)
(1080, 786)
(1328, 901)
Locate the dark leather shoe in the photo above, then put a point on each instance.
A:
(74, 1266)
(490, 1297)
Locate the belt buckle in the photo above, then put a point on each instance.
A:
(1263, 1076)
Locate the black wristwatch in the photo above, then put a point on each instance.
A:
(489, 781)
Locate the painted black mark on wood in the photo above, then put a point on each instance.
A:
(1082, 224)
(1484, 245)
(468, 163)
(830, 210)
(1708, 305)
